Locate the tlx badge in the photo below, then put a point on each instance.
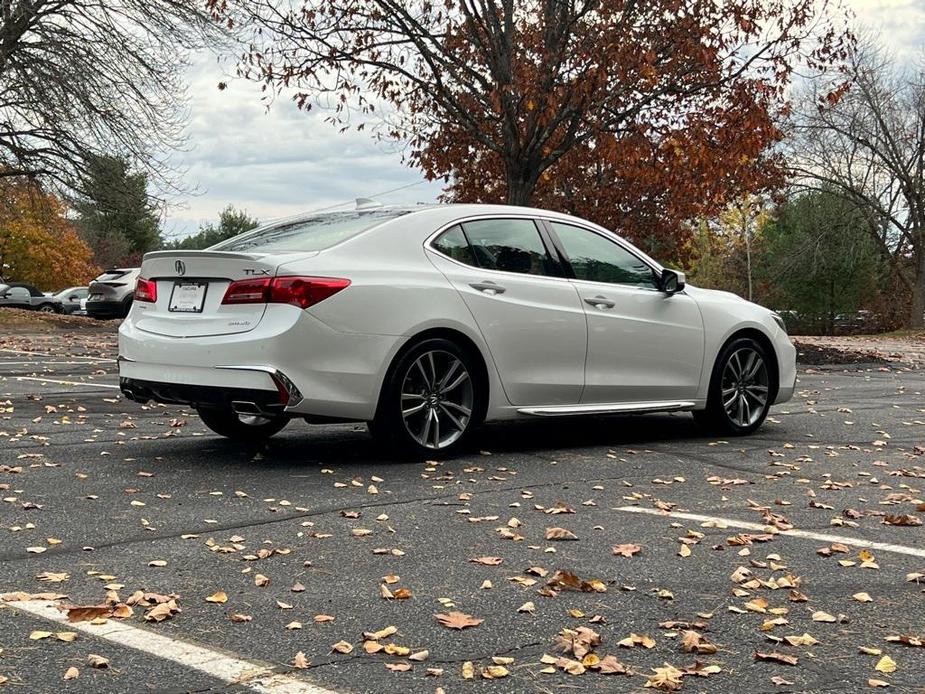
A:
(254, 271)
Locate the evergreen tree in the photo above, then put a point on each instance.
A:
(231, 222)
(820, 259)
(117, 218)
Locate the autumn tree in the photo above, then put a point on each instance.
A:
(38, 244)
(639, 114)
(868, 146)
(83, 77)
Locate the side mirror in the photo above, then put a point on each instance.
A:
(72, 297)
(671, 281)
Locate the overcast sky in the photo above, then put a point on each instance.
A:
(283, 161)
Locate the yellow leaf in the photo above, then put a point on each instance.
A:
(218, 597)
(684, 551)
(885, 664)
(38, 635)
(71, 673)
(862, 597)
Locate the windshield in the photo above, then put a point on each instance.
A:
(309, 234)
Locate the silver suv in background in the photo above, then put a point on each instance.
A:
(111, 293)
(72, 300)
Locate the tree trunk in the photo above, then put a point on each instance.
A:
(521, 183)
(917, 305)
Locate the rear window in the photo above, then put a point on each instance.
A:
(309, 234)
(111, 275)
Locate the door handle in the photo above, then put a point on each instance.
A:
(488, 287)
(600, 302)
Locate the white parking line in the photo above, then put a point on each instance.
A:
(227, 668)
(57, 363)
(806, 534)
(66, 383)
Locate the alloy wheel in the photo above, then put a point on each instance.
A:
(744, 387)
(437, 399)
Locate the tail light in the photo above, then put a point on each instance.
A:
(298, 291)
(146, 290)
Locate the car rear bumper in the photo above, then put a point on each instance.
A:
(106, 309)
(244, 400)
(335, 374)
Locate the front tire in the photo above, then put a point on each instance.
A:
(48, 308)
(432, 400)
(742, 389)
(227, 423)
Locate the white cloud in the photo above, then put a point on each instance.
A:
(897, 24)
(276, 162)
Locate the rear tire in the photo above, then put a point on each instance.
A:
(432, 400)
(742, 389)
(227, 423)
(48, 308)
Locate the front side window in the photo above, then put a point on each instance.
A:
(309, 234)
(598, 259)
(509, 245)
(18, 293)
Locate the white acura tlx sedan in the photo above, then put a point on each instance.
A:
(426, 321)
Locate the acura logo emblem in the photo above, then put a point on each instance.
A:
(180, 267)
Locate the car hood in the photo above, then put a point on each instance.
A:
(715, 294)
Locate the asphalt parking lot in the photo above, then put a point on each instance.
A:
(787, 561)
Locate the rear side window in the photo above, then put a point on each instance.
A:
(509, 245)
(309, 234)
(453, 243)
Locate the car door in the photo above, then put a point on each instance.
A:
(527, 311)
(19, 297)
(643, 345)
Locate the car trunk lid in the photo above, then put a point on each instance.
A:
(190, 286)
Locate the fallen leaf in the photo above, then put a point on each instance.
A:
(398, 667)
(71, 673)
(218, 597)
(157, 562)
(97, 661)
(862, 597)
(877, 683)
(342, 647)
(457, 620)
(300, 661)
(487, 561)
(821, 616)
(626, 550)
(494, 672)
(885, 664)
(260, 580)
(85, 613)
(560, 534)
(66, 636)
(777, 657)
(38, 635)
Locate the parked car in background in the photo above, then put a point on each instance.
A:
(111, 293)
(71, 300)
(21, 295)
